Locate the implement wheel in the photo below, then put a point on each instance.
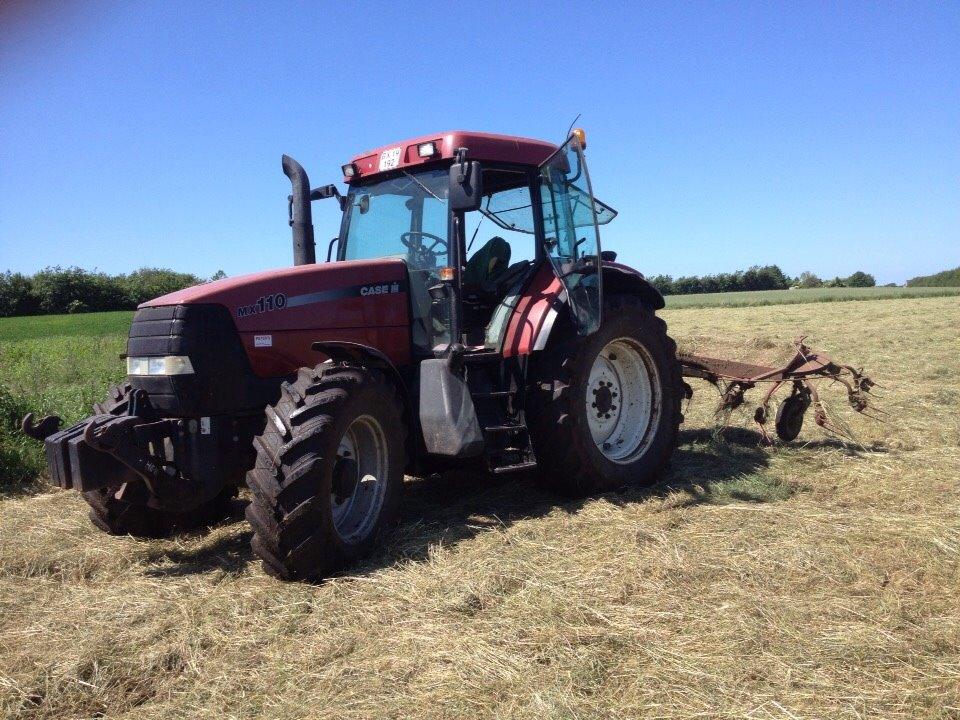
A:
(329, 471)
(790, 415)
(604, 410)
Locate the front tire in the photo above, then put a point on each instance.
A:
(132, 515)
(604, 410)
(329, 470)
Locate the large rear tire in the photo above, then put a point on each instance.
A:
(329, 471)
(604, 410)
(132, 515)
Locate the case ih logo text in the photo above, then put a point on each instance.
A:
(380, 289)
(264, 304)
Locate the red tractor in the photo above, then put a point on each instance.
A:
(465, 314)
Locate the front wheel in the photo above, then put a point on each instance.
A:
(329, 471)
(605, 410)
(136, 511)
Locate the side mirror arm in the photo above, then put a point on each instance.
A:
(328, 191)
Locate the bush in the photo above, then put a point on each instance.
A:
(766, 277)
(758, 277)
(663, 283)
(16, 295)
(148, 283)
(808, 280)
(860, 279)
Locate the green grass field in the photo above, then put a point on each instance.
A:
(816, 579)
(53, 364)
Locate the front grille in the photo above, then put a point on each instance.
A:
(223, 381)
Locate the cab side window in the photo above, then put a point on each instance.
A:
(504, 225)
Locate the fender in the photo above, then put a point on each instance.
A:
(343, 351)
(624, 279)
(543, 299)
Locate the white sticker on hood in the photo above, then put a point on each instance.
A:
(263, 340)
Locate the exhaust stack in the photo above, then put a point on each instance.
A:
(301, 219)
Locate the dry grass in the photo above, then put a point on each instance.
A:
(815, 580)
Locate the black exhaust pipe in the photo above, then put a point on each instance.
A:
(301, 219)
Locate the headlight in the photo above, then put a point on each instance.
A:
(168, 365)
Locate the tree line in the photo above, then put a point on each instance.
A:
(57, 290)
(947, 278)
(758, 277)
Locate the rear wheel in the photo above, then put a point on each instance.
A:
(605, 409)
(329, 471)
(130, 514)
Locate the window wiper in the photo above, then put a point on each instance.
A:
(421, 184)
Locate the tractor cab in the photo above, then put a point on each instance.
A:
(475, 217)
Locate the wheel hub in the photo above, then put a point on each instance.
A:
(604, 395)
(359, 479)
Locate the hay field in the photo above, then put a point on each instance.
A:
(804, 295)
(815, 580)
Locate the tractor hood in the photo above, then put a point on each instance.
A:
(347, 294)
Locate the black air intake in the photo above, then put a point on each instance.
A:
(301, 220)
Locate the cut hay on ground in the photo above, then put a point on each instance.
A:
(817, 580)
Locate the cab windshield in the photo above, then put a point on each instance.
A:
(403, 217)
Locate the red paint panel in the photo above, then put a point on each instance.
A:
(481, 146)
(291, 348)
(297, 280)
(532, 309)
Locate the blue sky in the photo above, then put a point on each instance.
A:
(818, 136)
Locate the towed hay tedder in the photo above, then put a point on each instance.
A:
(801, 374)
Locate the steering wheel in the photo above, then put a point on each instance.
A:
(437, 240)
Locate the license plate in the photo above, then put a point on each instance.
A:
(389, 159)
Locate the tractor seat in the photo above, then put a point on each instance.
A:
(490, 261)
(484, 270)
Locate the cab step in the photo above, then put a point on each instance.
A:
(518, 467)
(505, 428)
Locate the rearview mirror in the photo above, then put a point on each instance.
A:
(466, 186)
(328, 191)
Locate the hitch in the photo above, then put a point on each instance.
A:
(47, 426)
(126, 437)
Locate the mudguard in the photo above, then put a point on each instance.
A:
(447, 416)
(540, 304)
(343, 351)
(624, 279)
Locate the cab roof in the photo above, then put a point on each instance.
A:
(480, 146)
